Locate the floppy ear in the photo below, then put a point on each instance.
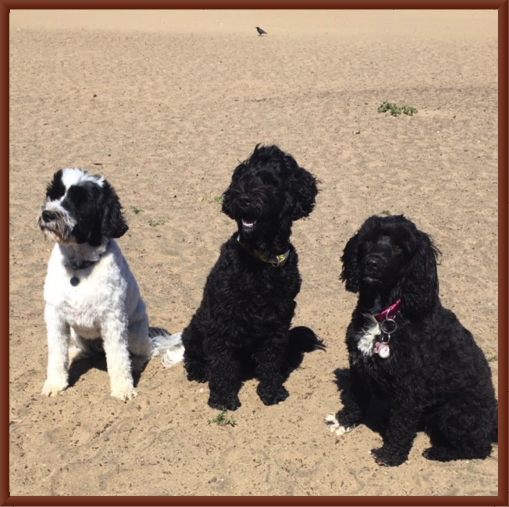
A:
(113, 224)
(418, 286)
(304, 191)
(351, 273)
(227, 197)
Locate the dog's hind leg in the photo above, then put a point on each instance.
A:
(140, 344)
(461, 431)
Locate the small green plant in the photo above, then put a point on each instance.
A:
(218, 199)
(222, 419)
(493, 358)
(136, 210)
(385, 213)
(155, 223)
(397, 110)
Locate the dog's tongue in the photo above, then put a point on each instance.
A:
(245, 223)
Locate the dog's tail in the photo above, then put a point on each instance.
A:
(168, 346)
(301, 340)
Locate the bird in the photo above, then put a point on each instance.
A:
(261, 31)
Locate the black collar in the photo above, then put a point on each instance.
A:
(278, 261)
(77, 265)
(82, 264)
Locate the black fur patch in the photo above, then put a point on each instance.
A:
(244, 318)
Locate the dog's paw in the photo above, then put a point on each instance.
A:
(387, 459)
(124, 393)
(222, 403)
(198, 375)
(196, 371)
(334, 426)
(54, 386)
(272, 396)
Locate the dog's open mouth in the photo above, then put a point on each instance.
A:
(248, 225)
(372, 280)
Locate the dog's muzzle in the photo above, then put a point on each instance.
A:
(56, 225)
(373, 269)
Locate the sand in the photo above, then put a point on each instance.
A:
(164, 105)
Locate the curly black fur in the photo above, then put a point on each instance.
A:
(436, 376)
(248, 304)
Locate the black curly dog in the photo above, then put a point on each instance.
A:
(248, 299)
(432, 373)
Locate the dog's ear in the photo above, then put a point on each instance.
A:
(418, 287)
(304, 190)
(113, 224)
(227, 197)
(351, 273)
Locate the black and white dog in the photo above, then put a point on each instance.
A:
(404, 346)
(248, 300)
(90, 292)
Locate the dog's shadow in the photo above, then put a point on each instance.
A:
(301, 340)
(98, 362)
(377, 415)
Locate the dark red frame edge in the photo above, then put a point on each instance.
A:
(502, 499)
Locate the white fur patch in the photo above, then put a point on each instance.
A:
(335, 427)
(173, 350)
(366, 339)
(75, 176)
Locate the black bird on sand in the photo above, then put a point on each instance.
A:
(261, 31)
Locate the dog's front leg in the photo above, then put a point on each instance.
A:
(224, 380)
(58, 351)
(402, 430)
(115, 336)
(355, 400)
(269, 370)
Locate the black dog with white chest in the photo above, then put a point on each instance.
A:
(405, 347)
(248, 300)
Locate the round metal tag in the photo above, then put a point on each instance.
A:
(384, 350)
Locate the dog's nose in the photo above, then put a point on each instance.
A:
(244, 200)
(372, 263)
(48, 216)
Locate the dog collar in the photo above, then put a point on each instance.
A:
(388, 314)
(278, 261)
(387, 325)
(76, 266)
(81, 265)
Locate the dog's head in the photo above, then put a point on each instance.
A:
(268, 192)
(392, 254)
(81, 208)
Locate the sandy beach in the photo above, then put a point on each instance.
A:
(165, 104)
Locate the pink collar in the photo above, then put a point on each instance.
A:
(389, 313)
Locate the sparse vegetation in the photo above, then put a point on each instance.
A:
(155, 223)
(222, 419)
(136, 210)
(397, 110)
(492, 358)
(218, 199)
(385, 213)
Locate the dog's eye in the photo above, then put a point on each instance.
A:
(398, 249)
(269, 182)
